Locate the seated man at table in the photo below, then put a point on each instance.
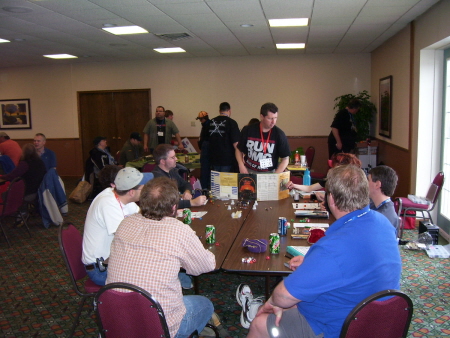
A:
(10, 148)
(358, 257)
(106, 212)
(132, 149)
(149, 249)
(166, 161)
(382, 184)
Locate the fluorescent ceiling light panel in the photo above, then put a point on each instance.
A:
(295, 22)
(290, 45)
(3, 40)
(125, 30)
(61, 56)
(170, 50)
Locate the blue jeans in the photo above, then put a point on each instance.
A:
(199, 310)
(185, 280)
(222, 168)
(97, 276)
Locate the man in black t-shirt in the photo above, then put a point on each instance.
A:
(262, 145)
(223, 138)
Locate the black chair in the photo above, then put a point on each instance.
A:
(374, 318)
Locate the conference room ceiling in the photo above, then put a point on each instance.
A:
(39, 27)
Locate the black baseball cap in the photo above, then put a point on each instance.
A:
(136, 136)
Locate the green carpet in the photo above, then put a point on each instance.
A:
(37, 299)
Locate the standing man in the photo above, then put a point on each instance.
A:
(382, 184)
(10, 148)
(262, 145)
(203, 144)
(47, 155)
(338, 272)
(169, 114)
(223, 138)
(342, 137)
(132, 149)
(159, 131)
(166, 161)
(106, 212)
(149, 249)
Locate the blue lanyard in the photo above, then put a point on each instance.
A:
(383, 203)
(357, 216)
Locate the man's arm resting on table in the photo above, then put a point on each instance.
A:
(283, 165)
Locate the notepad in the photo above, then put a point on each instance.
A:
(306, 206)
(312, 213)
(297, 250)
(439, 251)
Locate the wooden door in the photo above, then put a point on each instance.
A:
(112, 114)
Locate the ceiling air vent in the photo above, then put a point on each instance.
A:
(174, 36)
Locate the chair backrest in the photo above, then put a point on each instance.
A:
(309, 153)
(148, 167)
(297, 180)
(71, 245)
(129, 314)
(435, 188)
(373, 318)
(14, 196)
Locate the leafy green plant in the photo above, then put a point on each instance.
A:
(365, 114)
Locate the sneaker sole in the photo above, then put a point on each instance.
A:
(245, 324)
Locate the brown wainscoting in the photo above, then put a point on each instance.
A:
(68, 155)
(399, 159)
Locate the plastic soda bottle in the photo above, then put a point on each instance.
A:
(297, 158)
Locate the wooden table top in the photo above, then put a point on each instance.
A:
(226, 227)
(259, 224)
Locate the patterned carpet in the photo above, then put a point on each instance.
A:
(37, 299)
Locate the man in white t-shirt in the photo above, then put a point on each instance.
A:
(106, 212)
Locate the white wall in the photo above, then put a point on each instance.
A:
(303, 87)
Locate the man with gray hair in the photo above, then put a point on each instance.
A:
(358, 257)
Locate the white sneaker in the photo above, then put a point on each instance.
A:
(249, 311)
(243, 292)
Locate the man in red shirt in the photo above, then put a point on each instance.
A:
(10, 148)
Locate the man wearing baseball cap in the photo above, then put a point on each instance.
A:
(203, 144)
(132, 149)
(106, 212)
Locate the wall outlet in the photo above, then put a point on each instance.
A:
(193, 124)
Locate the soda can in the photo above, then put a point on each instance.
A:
(210, 234)
(274, 243)
(187, 216)
(282, 226)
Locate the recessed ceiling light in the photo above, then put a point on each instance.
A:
(125, 30)
(170, 50)
(290, 45)
(288, 22)
(3, 40)
(61, 56)
(109, 25)
(17, 9)
(246, 25)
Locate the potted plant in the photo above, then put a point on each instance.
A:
(365, 114)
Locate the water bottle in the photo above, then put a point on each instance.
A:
(306, 178)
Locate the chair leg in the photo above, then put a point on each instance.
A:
(77, 318)
(4, 233)
(24, 220)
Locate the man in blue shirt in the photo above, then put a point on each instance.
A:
(358, 257)
(47, 155)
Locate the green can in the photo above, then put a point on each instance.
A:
(187, 216)
(274, 243)
(210, 234)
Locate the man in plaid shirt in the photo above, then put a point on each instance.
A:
(150, 247)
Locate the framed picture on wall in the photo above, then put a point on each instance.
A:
(16, 114)
(385, 106)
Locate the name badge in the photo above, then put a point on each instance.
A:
(265, 163)
(160, 133)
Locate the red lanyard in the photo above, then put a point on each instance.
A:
(262, 139)
(120, 203)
